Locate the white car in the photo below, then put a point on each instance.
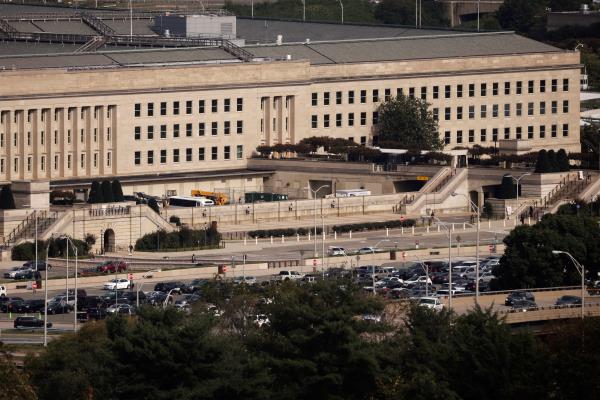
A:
(336, 251)
(417, 279)
(118, 284)
(368, 250)
(248, 280)
(433, 303)
(289, 275)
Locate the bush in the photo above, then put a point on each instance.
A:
(95, 195)
(26, 251)
(367, 226)
(543, 164)
(7, 200)
(117, 190)
(184, 238)
(562, 161)
(552, 161)
(174, 219)
(57, 247)
(107, 193)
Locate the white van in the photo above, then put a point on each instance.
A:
(336, 251)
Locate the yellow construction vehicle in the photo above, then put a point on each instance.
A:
(219, 198)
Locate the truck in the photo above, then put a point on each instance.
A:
(257, 197)
(352, 193)
(218, 198)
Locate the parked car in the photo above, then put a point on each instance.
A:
(417, 279)
(16, 271)
(173, 287)
(111, 267)
(59, 307)
(30, 322)
(11, 305)
(157, 298)
(518, 295)
(96, 313)
(187, 300)
(433, 303)
(368, 250)
(197, 284)
(568, 301)
(336, 251)
(41, 265)
(121, 309)
(118, 284)
(523, 304)
(289, 275)
(248, 280)
(30, 306)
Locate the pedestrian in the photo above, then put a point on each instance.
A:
(193, 258)
(247, 210)
(522, 219)
(130, 249)
(530, 211)
(291, 207)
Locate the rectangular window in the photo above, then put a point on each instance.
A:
(338, 97)
(201, 129)
(471, 112)
(108, 158)
(227, 152)
(530, 132)
(543, 86)
(375, 117)
(239, 127)
(411, 92)
(55, 162)
(326, 98)
(506, 88)
(314, 121)
(494, 134)
(565, 106)
(326, 121)
(447, 113)
(351, 119)
(554, 107)
(351, 97)
(150, 132)
(471, 90)
(507, 110)
(363, 96)
(188, 154)
(175, 155)
(519, 87)
(542, 107)
(137, 135)
(163, 131)
(214, 105)
(163, 156)
(214, 129)
(363, 118)
(447, 137)
(338, 120)
(214, 153)
(95, 160)
(30, 160)
(506, 133)
(495, 89)
(482, 135)
(483, 111)
(471, 135)
(530, 87)
(554, 129)
(423, 92)
(176, 130)
(519, 133)
(150, 109)
(240, 104)
(227, 127)
(459, 112)
(375, 96)
(175, 108)
(188, 107)
(519, 110)
(239, 152)
(483, 90)
(554, 85)
(459, 90)
(495, 111)
(436, 92)
(163, 108)
(188, 130)
(82, 136)
(201, 107)
(55, 139)
(565, 84)
(137, 110)
(136, 157)
(227, 105)
(201, 154)
(315, 99)
(565, 129)
(530, 108)
(459, 137)
(81, 162)
(436, 113)
(150, 157)
(447, 91)
(542, 131)
(69, 136)
(68, 162)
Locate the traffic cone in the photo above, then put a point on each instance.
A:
(9, 315)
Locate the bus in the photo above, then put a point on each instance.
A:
(182, 201)
(257, 197)
(217, 197)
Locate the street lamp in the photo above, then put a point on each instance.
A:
(476, 210)
(519, 180)
(342, 6)
(46, 297)
(69, 241)
(314, 192)
(449, 233)
(581, 269)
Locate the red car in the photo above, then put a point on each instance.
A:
(112, 267)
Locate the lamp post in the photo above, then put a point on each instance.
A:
(519, 180)
(303, 10)
(314, 192)
(476, 210)
(323, 243)
(581, 269)
(46, 297)
(70, 242)
(342, 6)
(449, 233)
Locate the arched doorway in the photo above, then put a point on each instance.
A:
(108, 242)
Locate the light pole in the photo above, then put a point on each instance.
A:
(425, 269)
(342, 6)
(581, 269)
(323, 249)
(69, 241)
(449, 259)
(167, 298)
(519, 180)
(46, 297)
(303, 10)
(476, 210)
(314, 192)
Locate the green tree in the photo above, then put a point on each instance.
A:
(405, 122)
(106, 190)
(542, 164)
(520, 15)
(552, 161)
(562, 161)
(402, 12)
(7, 200)
(14, 384)
(95, 195)
(508, 189)
(117, 190)
(528, 260)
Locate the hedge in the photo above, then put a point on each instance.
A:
(57, 248)
(184, 238)
(365, 226)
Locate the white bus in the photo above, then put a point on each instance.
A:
(352, 193)
(184, 201)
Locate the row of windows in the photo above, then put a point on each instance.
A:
(506, 132)
(507, 110)
(189, 155)
(56, 162)
(459, 91)
(189, 107)
(42, 136)
(314, 120)
(70, 113)
(189, 130)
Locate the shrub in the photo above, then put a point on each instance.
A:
(106, 190)
(7, 200)
(174, 219)
(184, 238)
(57, 247)
(543, 164)
(562, 161)
(26, 251)
(552, 161)
(117, 190)
(95, 195)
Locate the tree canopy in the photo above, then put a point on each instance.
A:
(405, 122)
(7, 200)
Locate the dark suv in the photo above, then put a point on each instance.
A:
(518, 296)
(30, 306)
(173, 287)
(30, 322)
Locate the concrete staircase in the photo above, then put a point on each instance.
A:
(92, 45)
(27, 228)
(442, 185)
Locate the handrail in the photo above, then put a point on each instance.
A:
(97, 24)
(6, 27)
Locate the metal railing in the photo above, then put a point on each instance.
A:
(97, 24)
(6, 27)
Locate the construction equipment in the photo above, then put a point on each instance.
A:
(219, 198)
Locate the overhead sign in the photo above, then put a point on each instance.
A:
(422, 178)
